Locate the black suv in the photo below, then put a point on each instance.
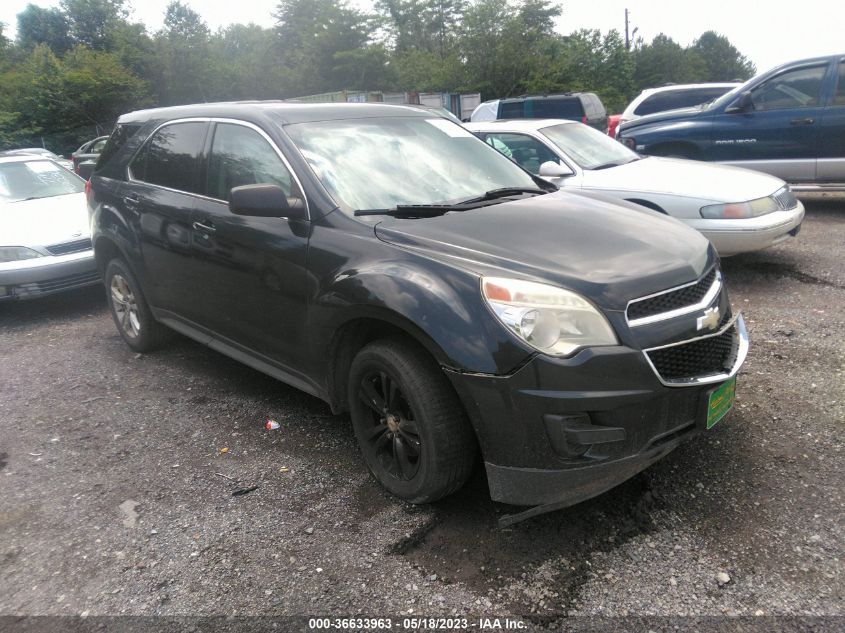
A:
(585, 107)
(397, 267)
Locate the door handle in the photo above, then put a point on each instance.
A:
(205, 228)
(807, 121)
(131, 202)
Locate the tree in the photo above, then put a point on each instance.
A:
(92, 21)
(183, 51)
(665, 61)
(37, 25)
(722, 61)
(505, 44)
(310, 35)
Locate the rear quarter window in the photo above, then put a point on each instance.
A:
(122, 132)
(566, 108)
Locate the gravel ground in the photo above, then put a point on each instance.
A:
(117, 474)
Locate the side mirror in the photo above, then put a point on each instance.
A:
(551, 169)
(85, 169)
(743, 104)
(265, 201)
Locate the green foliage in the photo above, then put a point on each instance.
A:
(92, 21)
(74, 69)
(37, 25)
(721, 60)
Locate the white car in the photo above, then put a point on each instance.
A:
(737, 209)
(45, 238)
(653, 100)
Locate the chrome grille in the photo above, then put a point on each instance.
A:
(66, 248)
(681, 300)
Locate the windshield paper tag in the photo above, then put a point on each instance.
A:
(40, 166)
(452, 129)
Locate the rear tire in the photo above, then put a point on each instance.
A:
(130, 310)
(411, 427)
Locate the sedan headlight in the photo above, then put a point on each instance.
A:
(742, 210)
(550, 319)
(17, 253)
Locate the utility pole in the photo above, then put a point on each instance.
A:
(627, 37)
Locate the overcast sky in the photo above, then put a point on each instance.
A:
(768, 33)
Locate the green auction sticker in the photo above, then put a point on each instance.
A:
(721, 401)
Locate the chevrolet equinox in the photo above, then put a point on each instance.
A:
(397, 267)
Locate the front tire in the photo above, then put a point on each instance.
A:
(130, 310)
(411, 428)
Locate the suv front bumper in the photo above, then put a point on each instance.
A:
(560, 431)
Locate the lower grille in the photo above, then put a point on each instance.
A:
(60, 283)
(66, 248)
(699, 358)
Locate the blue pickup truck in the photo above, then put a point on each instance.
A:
(788, 122)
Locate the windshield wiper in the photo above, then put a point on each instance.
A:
(505, 192)
(432, 210)
(414, 210)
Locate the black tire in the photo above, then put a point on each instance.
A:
(422, 412)
(130, 311)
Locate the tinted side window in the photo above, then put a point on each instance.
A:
(551, 108)
(169, 158)
(241, 156)
(799, 88)
(525, 151)
(121, 133)
(839, 98)
(511, 110)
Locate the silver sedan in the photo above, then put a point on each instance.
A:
(45, 238)
(737, 209)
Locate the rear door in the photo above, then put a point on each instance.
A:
(831, 163)
(160, 193)
(780, 135)
(251, 270)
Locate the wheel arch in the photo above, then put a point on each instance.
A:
(647, 204)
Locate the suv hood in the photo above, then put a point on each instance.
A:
(662, 117)
(686, 178)
(607, 251)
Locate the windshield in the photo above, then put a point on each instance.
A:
(385, 162)
(589, 148)
(26, 180)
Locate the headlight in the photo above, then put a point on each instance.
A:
(741, 210)
(550, 319)
(629, 142)
(17, 253)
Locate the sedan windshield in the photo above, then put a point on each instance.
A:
(27, 180)
(589, 148)
(385, 162)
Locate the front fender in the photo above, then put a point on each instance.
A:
(438, 305)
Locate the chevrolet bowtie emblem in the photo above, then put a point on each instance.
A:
(710, 320)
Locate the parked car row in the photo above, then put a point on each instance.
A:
(788, 122)
(528, 290)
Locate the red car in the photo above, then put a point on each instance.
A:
(612, 122)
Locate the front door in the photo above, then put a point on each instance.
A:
(252, 285)
(780, 134)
